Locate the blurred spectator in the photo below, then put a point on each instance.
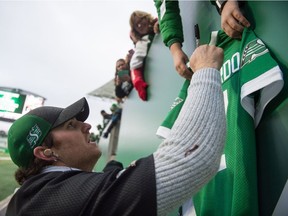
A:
(123, 83)
(97, 138)
(115, 118)
(3, 133)
(100, 129)
(143, 28)
(143, 23)
(93, 137)
(106, 118)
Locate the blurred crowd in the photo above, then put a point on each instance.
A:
(129, 70)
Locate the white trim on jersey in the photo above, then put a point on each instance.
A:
(163, 132)
(270, 83)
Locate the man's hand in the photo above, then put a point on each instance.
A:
(232, 19)
(180, 59)
(207, 56)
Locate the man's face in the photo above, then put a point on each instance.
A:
(71, 142)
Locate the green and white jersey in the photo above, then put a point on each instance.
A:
(164, 129)
(258, 78)
(251, 78)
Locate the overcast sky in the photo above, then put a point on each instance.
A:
(63, 50)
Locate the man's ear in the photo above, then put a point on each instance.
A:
(41, 153)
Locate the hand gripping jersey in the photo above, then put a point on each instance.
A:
(250, 79)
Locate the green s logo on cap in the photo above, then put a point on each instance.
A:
(33, 136)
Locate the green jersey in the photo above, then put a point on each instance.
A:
(251, 78)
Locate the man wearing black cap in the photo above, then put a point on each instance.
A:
(55, 156)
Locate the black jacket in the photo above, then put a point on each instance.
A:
(89, 193)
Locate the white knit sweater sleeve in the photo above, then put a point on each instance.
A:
(190, 156)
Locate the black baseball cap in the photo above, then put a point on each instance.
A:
(30, 130)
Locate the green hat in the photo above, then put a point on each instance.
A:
(113, 107)
(30, 130)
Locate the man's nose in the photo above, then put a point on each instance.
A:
(86, 127)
